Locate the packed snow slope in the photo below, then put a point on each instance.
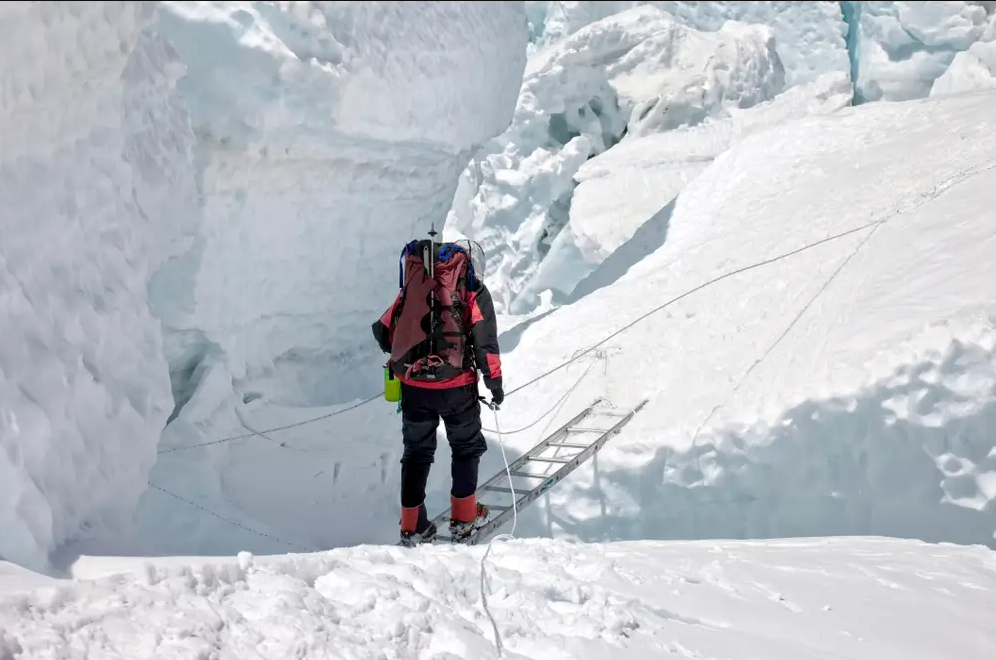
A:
(827, 363)
(845, 389)
(97, 191)
(863, 599)
(327, 132)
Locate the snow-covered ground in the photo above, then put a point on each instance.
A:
(802, 290)
(863, 599)
(848, 388)
(649, 172)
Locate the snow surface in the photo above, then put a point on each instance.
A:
(847, 389)
(867, 599)
(826, 365)
(96, 191)
(328, 133)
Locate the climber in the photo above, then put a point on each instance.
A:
(440, 331)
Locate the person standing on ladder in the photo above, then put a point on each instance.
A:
(439, 332)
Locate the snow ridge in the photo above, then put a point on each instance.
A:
(785, 599)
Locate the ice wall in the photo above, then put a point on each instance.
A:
(329, 134)
(901, 48)
(809, 36)
(972, 69)
(892, 50)
(96, 189)
(517, 197)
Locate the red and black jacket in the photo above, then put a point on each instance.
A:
(483, 338)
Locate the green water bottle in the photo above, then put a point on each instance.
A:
(392, 386)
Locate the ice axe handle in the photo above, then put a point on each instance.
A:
(490, 404)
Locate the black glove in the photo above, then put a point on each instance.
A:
(497, 395)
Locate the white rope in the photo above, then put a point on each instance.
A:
(555, 409)
(503, 537)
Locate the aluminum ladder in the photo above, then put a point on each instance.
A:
(581, 437)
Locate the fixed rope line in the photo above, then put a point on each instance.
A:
(577, 356)
(234, 523)
(275, 429)
(720, 278)
(555, 406)
(932, 193)
(510, 535)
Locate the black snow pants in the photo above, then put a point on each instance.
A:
(421, 410)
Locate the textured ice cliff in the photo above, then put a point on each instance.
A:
(635, 73)
(328, 135)
(257, 206)
(96, 188)
(529, 197)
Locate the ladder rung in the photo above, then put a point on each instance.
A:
(558, 439)
(569, 445)
(529, 475)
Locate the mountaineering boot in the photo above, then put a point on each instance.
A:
(466, 517)
(411, 539)
(415, 526)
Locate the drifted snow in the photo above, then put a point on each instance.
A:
(792, 399)
(329, 134)
(635, 73)
(96, 189)
(865, 599)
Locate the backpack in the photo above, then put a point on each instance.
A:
(431, 321)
